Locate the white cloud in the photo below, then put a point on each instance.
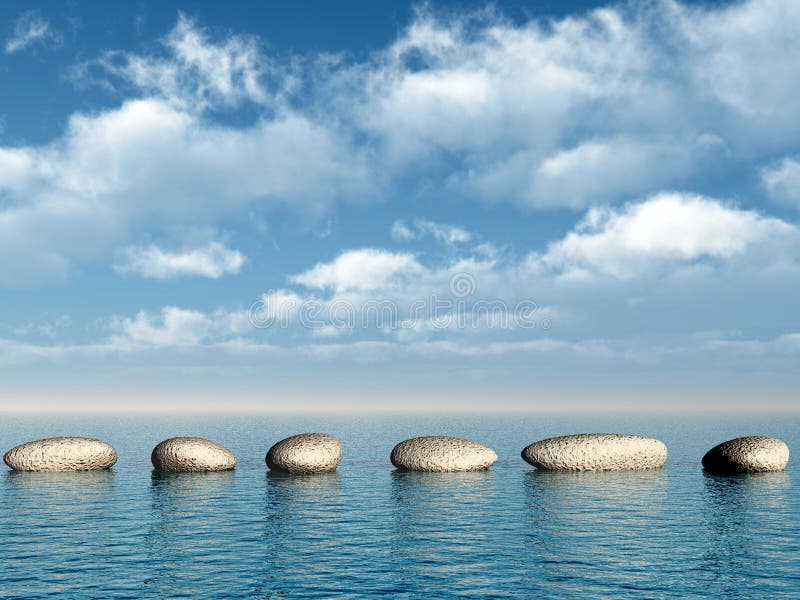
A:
(185, 330)
(400, 231)
(196, 73)
(666, 229)
(598, 171)
(360, 270)
(212, 261)
(592, 109)
(277, 307)
(47, 329)
(785, 344)
(783, 181)
(446, 234)
(746, 59)
(29, 30)
(147, 166)
(175, 327)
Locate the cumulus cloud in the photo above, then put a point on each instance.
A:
(174, 327)
(783, 181)
(212, 261)
(666, 229)
(589, 108)
(30, 30)
(361, 270)
(599, 171)
(592, 109)
(637, 246)
(146, 166)
(630, 260)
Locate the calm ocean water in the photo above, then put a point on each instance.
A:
(368, 530)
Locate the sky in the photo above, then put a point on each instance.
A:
(374, 206)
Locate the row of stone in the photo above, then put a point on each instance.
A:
(321, 453)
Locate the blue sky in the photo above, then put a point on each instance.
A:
(546, 206)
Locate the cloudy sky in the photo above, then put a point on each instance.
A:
(390, 206)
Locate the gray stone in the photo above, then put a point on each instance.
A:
(439, 454)
(191, 454)
(305, 453)
(61, 454)
(750, 454)
(596, 452)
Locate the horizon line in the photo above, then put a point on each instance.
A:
(388, 411)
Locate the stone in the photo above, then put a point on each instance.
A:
(596, 452)
(440, 454)
(191, 454)
(61, 454)
(305, 453)
(752, 454)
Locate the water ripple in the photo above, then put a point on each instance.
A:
(370, 531)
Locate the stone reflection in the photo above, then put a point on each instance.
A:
(304, 516)
(190, 520)
(57, 499)
(74, 484)
(302, 508)
(51, 519)
(592, 527)
(745, 517)
(439, 530)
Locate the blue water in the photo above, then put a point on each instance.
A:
(368, 530)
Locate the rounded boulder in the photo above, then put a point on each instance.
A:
(305, 453)
(751, 454)
(191, 454)
(61, 454)
(441, 454)
(596, 452)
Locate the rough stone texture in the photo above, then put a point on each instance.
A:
(596, 452)
(439, 454)
(747, 455)
(61, 454)
(305, 453)
(191, 454)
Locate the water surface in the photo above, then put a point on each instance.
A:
(368, 530)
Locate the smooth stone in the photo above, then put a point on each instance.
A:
(191, 454)
(61, 454)
(752, 454)
(596, 452)
(441, 454)
(305, 453)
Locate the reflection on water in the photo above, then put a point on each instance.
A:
(84, 484)
(303, 530)
(744, 523)
(746, 494)
(299, 489)
(299, 509)
(439, 529)
(590, 530)
(198, 533)
(369, 531)
(56, 521)
(177, 491)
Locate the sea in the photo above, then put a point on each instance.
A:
(369, 531)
